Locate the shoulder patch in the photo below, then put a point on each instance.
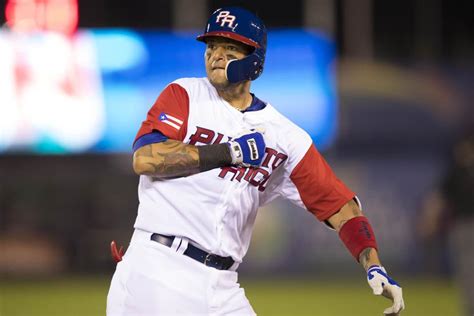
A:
(170, 120)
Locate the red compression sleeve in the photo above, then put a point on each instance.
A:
(357, 234)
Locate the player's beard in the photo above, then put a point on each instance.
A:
(229, 90)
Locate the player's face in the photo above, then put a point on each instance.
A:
(219, 51)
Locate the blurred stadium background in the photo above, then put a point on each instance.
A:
(383, 87)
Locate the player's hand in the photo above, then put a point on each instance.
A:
(382, 284)
(247, 149)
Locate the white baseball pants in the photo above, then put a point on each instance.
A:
(153, 279)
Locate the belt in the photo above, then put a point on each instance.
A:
(208, 259)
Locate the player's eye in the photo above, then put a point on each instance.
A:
(232, 48)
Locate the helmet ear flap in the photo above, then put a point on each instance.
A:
(247, 68)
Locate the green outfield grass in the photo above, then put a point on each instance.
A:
(86, 296)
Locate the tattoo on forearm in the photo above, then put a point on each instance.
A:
(364, 257)
(169, 159)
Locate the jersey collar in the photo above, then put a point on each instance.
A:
(256, 104)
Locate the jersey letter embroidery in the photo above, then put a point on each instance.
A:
(205, 136)
(257, 177)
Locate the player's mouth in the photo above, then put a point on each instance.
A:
(217, 64)
(215, 68)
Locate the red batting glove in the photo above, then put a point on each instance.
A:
(117, 254)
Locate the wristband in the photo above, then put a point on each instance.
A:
(214, 156)
(357, 234)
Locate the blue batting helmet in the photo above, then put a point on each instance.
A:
(245, 27)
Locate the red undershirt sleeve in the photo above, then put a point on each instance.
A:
(321, 192)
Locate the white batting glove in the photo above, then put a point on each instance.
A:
(382, 284)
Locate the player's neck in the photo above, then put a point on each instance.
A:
(237, 95)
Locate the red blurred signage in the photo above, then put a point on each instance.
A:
(59, 16)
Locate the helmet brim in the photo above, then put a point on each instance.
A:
(231, 35)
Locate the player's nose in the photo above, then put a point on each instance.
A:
(219, 53)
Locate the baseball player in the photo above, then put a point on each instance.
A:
(209, 154)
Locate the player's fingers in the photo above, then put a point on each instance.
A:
(390, 312)
(397, 307)
(377, 289)
(377, 286)
(398, 299)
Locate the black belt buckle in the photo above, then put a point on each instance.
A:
(218, 262)
(207, 259)
(210, 261)
(214, 261)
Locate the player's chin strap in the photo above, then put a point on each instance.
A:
(247, 68)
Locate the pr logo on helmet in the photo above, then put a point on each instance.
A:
(224, 17)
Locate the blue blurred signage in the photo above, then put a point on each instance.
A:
(113, 76)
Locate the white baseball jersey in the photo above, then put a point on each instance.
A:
(216, 209)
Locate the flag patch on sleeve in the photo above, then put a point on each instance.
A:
(170, 120)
